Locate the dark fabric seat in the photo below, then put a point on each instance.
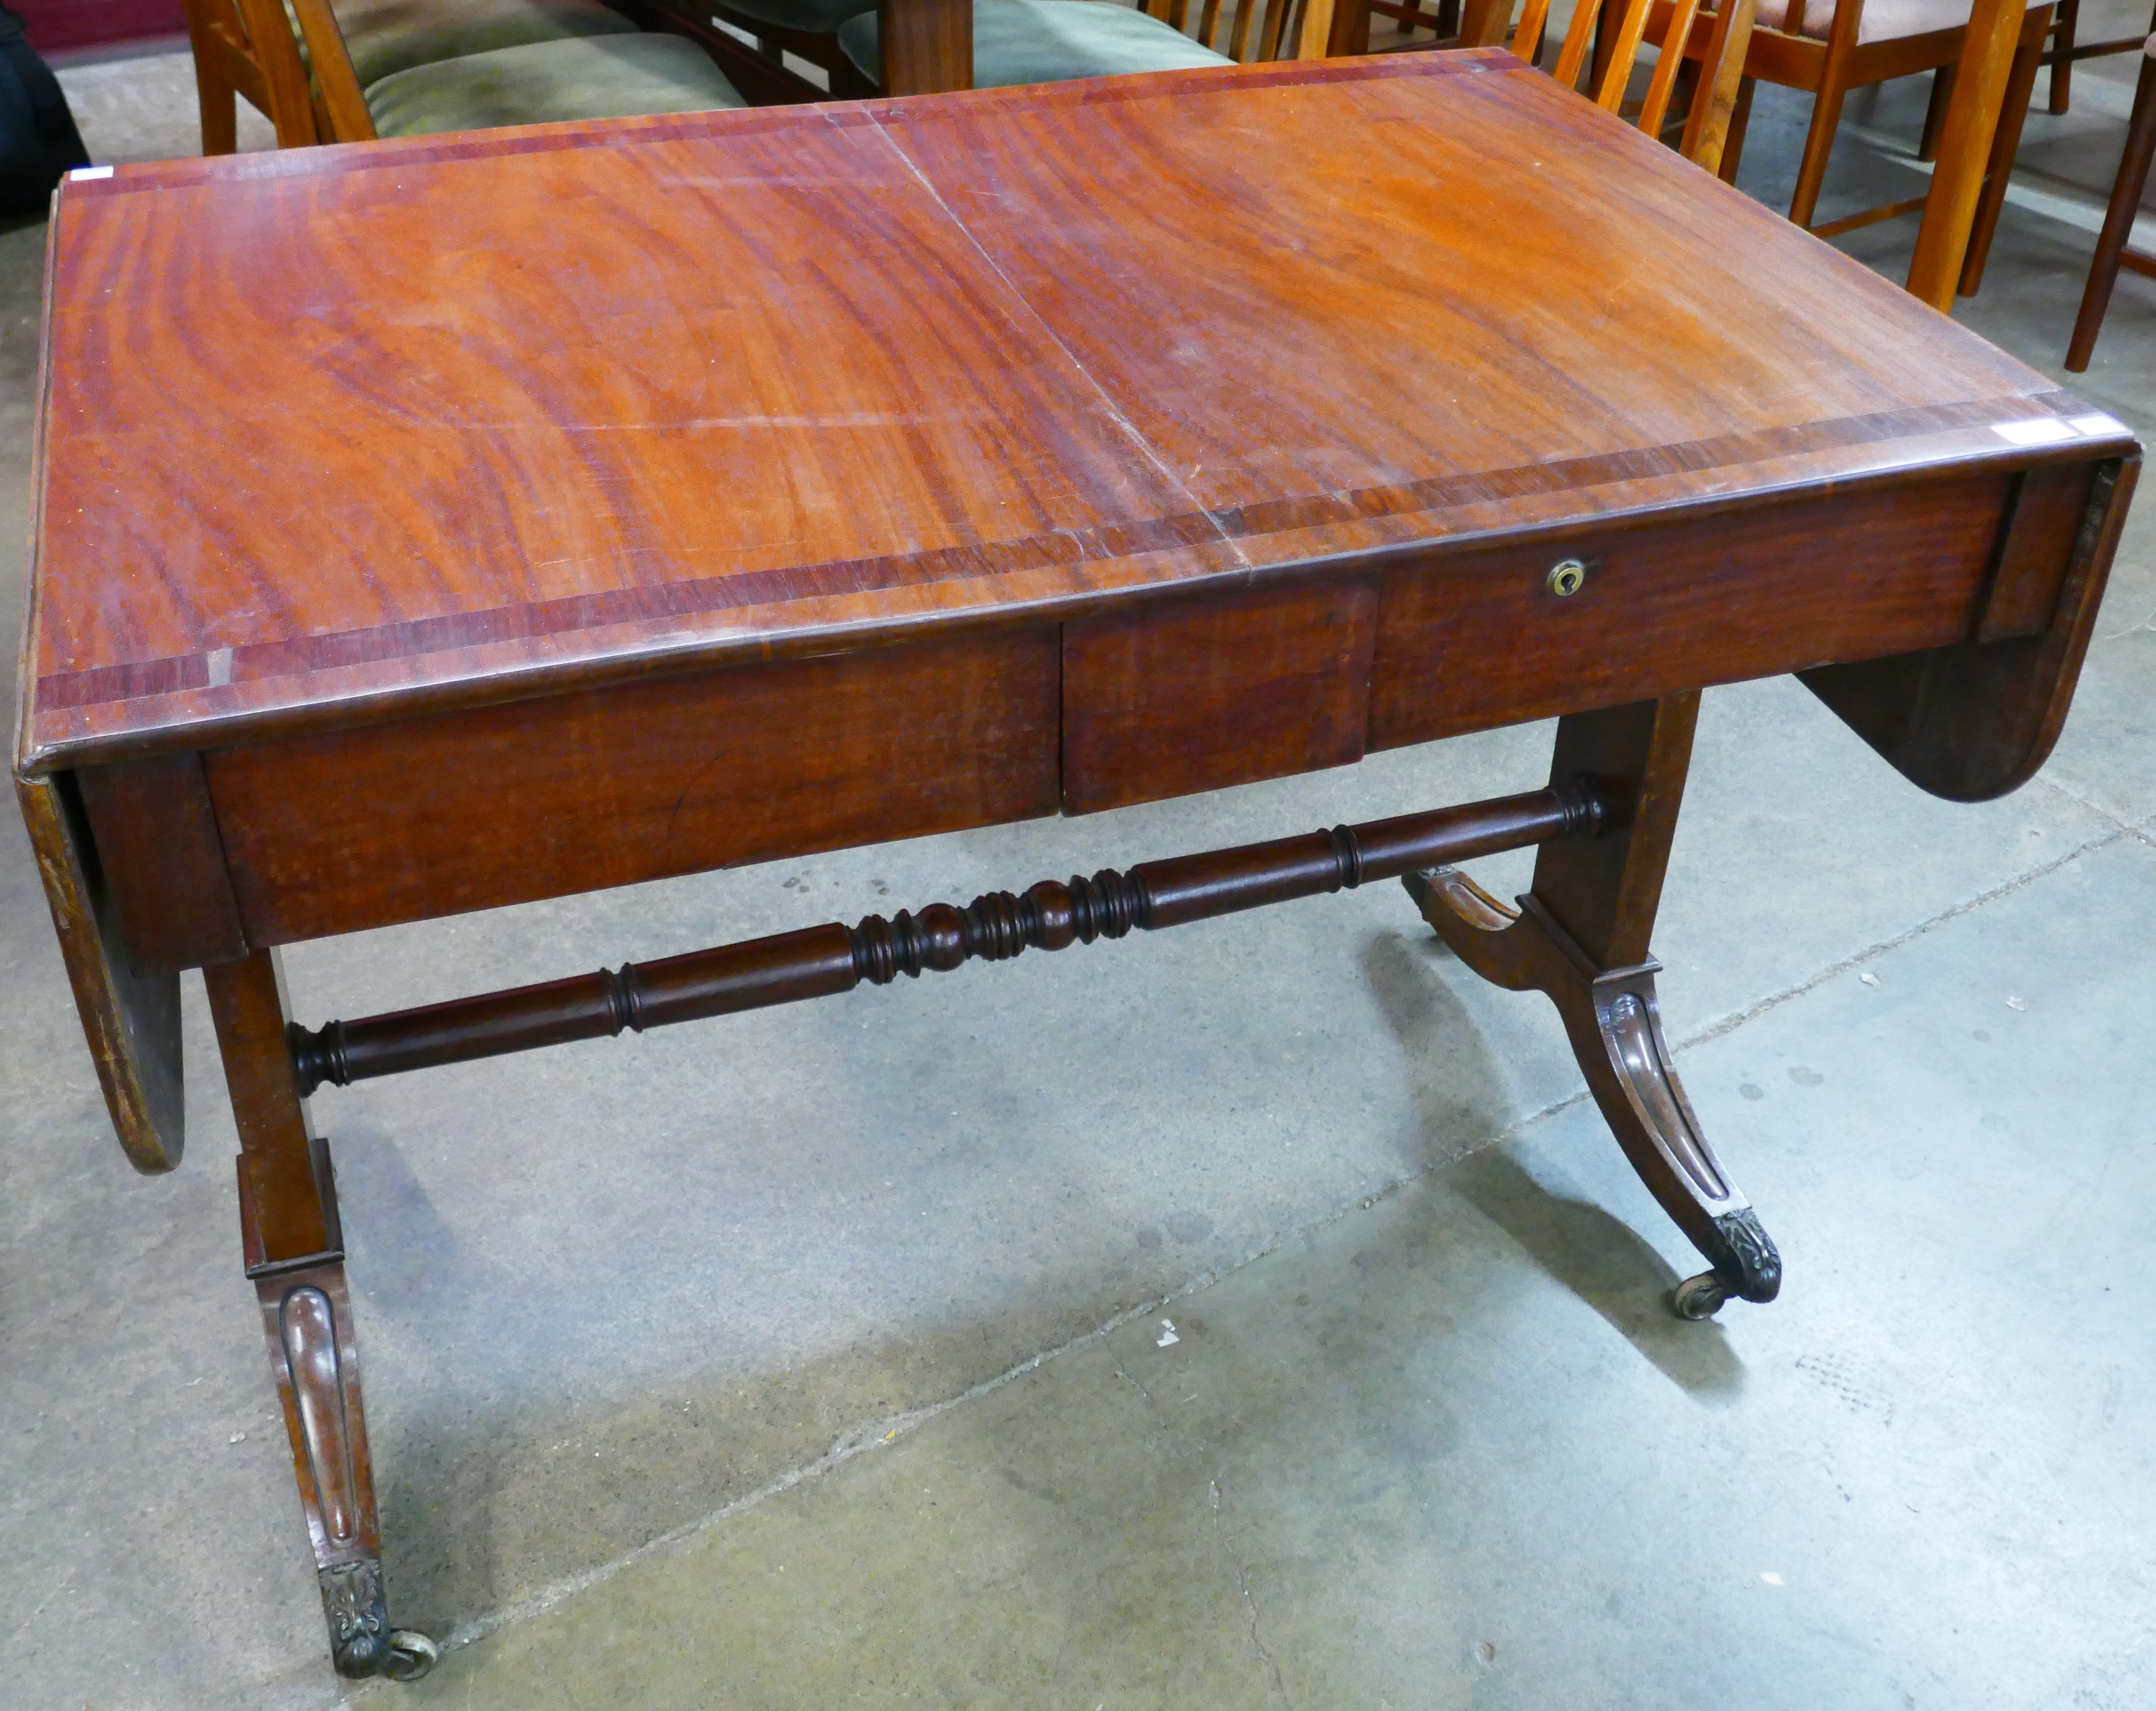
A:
(592, 77)
(385, 37)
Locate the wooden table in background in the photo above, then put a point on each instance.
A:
(438, 525)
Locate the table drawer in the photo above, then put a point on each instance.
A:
(608, 787)
(1468, 644)
(1199, 695)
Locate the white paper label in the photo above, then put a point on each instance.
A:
(2043, 430)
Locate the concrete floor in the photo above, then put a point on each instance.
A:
(823, 1358)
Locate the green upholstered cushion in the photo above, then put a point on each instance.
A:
(591, 77)
(385, 37)
(1052, 41)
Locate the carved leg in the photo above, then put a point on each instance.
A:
(293, 1246)
(1580, 935)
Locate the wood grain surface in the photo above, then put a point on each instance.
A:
(131, 1022)
(1225, 691)
(1467, 645)
(470, 810)
(342, 434)
(2048, 510)
(156, 831)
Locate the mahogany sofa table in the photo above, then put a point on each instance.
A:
(424, 527)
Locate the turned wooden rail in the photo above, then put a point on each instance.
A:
(819, 961)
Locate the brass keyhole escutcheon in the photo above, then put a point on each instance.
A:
(1565, 577)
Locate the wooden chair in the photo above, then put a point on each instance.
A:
(2065, 51)
(1053, 41)
(1253, 31)
(595, 77)
(2111, 251)
(1834, 46)
(1706, 74)
(383, 37)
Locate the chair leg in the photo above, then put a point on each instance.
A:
(1482, 25)
(1740, 115)
(216, 94)
(1935, 113)
(220, 112)
(2005, 142)
(1819, 145)
(2069, 16)
(1351, 28)
(2118, 220)
(848, 84)
(294, 1244)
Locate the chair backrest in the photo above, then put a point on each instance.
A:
(1715, 40)
(1251, 30)
(314, 94)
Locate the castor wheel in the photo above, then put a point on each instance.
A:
(1700, 1298)
(412, 1654)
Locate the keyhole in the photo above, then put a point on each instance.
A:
(1565, 577)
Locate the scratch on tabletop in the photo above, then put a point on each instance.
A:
(1129, 428)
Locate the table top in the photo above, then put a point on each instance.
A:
(331, 435)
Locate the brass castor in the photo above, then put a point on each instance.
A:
(1700, 1298)
(412, 1654)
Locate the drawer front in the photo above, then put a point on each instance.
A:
(608, 787)
(1470, 643)
(1191, 697)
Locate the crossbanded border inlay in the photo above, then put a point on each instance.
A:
(699, 597)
